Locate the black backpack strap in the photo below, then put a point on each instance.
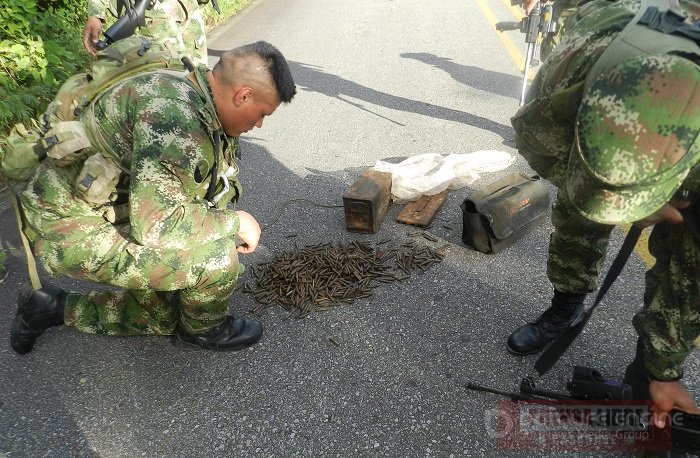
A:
(669, 22)
(691, 219)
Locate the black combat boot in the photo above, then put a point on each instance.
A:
(37, 311)
(231, 335)
(565, 312)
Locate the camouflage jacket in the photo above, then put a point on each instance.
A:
(161, 125)
(545, 125)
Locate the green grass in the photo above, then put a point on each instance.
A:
(228, 8)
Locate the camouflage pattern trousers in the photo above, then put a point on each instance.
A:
(578, 246)
(161, 287)
(180, 23)
(577, 249)
(669, 322)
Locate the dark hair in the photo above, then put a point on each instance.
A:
(276, 66)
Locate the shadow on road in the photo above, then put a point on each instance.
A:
(312, 78)
(484, 80)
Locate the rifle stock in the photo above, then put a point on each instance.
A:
(588, 385)
(685, 436)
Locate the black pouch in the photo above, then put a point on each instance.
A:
(504, 211)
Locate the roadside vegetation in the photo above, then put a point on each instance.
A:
(41, 46)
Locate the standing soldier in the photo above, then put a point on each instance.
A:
(178, 22)
(618, 136)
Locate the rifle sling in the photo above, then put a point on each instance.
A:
(691, 220)
(31, 262)
(552, 354)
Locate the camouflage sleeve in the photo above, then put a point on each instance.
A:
(670, 320)
(97, 8)
(172, 151)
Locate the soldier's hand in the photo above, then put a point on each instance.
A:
(667, 396)
(529, 5)
(91, 34)
(667, 214)
(249, 232)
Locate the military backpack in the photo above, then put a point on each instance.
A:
(60, 134)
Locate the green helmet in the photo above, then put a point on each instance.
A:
(636, 138)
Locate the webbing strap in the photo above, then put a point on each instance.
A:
(547, 359)
(31, 262)
(691, 219)
(196, 78)
(669, 22)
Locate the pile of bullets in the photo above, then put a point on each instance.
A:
(318, 277)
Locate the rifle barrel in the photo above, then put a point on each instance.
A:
(509, 394)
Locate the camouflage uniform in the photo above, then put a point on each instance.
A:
(635, 127)
(561, 10)
(175, 258)
(179, 22)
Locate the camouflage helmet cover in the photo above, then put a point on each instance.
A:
(636, 138)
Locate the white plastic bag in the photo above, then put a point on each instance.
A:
(429, 174)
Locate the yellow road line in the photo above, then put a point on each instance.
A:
(510, 47)
(642, 248)
(517, 11)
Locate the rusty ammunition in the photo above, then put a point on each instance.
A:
(317, 277)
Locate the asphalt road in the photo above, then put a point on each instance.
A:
(377, 79)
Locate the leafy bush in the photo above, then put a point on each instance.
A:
(40, 47)
(228, 8)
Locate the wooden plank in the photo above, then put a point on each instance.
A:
(421, 212)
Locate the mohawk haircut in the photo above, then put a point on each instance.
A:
(257, 59)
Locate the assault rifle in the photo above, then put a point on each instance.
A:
(539, 21)
(131, 16)
(588, 384)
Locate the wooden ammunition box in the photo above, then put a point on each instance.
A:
(367, 201)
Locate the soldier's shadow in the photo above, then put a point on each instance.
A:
(501, 84)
